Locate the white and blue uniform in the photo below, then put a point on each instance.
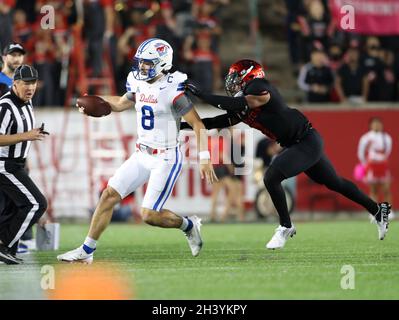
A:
(158, 159)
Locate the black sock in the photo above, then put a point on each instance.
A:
(348, 189)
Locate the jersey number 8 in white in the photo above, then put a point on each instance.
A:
(147, 119)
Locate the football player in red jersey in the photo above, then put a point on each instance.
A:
(256, 102)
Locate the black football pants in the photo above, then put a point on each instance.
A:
(28, 203)
(307, 156)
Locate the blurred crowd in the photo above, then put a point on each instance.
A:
(114, 28)
(330, 65)
(228, 156)
(337, 66)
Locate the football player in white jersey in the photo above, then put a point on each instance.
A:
(160, 102)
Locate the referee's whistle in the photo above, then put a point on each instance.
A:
(42, 129)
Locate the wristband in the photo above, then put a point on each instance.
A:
(204, 155)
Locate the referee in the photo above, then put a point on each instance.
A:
(17, 132)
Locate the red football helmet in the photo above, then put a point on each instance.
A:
(240, 73)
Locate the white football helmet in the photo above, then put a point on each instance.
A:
(155, 51)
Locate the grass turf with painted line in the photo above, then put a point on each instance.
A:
(234, 263)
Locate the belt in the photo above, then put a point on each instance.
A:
(149, 150)
(308, 128)
(21, 160)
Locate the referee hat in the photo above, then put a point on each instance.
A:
(25, 73)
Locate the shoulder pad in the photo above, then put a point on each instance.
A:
(178, 77)
(131, 83)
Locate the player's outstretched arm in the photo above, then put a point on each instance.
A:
(119, 104)
(234, 104)
(218, 122)
(206, 168)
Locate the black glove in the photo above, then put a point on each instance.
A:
(190, 87)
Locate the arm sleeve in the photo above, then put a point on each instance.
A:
(218, 122)
(225, 103)
(257, 87)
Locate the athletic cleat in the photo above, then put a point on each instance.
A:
(22, 248)
(391, 216)
(6, 257)
(194, 236)
(381, 219)
(16, 258)
(76, 256)
(27, 245)
(280, 237)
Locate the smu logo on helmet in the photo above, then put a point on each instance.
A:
(161, 48)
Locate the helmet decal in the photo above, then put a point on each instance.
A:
(240, 73)
(161, 48)
(156, 52)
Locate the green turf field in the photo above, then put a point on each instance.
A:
(234, 263)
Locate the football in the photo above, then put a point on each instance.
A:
(93, 106)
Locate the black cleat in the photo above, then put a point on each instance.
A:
(6, 257)
(381, 219)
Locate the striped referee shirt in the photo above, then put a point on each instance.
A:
(16, 116)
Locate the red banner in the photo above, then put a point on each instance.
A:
(340, 142)
(371, 17)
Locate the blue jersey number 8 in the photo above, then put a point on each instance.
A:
(147, 119)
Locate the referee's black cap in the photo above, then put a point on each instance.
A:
(25, 73)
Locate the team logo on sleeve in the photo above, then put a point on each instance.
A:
(161, 48)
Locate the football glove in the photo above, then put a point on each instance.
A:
(190, 87)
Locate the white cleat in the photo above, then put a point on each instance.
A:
(280, 237)
(76, 256)
(382, 222)
(194, 236)
(25, 246)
